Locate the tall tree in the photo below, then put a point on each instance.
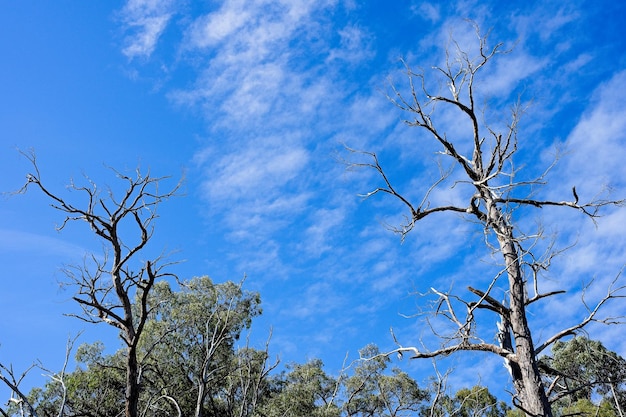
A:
(114, 287)
(487, 173)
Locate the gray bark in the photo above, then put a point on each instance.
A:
(525, 373)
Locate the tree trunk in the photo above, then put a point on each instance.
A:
(132, 383)
(527, 383)
(526, 377)
(200, 399)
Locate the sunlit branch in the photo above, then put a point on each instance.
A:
(418, 213)
(13, 382)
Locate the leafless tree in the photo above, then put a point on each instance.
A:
(493, 194)
(108, 288)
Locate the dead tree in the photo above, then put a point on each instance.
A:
(493, 194)
(109, 288)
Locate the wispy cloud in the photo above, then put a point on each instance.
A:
(268, 103)
(281, 85)
(146, 20)
(20, 241)
(598, 142)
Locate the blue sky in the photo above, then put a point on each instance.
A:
(252, 100)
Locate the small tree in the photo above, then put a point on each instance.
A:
(305, 391)
(493, 196)
(476, 402)
(109, 288)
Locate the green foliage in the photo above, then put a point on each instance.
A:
(195, 330)
(95, 388)
(582, 373)
(468, 402)
(515, 412)
(477, 402)
(192, 364)
(188, 358)
(306, 390)
(586, 408)
(371, 392)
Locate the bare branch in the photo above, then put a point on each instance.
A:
(422, 210)
(590, 209)
(59, 377)
(613, 292)
(13, 382)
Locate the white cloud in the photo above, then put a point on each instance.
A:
(260, 169)
(508, 73)
(274, 81)
(318, 298)
(270, 106)
(353, 46)
(147, 20)
(578, 63)
(324, 223)
(596, 147)
(427, 11)
(210, 29)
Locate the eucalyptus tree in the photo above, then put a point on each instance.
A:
(494, 195)
(95, 388)
(191, 357)
(476, 402)
(303, 390)
(365, 388)
(372, 391)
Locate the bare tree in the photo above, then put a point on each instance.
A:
(108, 289)
(493, 195)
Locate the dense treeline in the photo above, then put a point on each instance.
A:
(194, 361)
